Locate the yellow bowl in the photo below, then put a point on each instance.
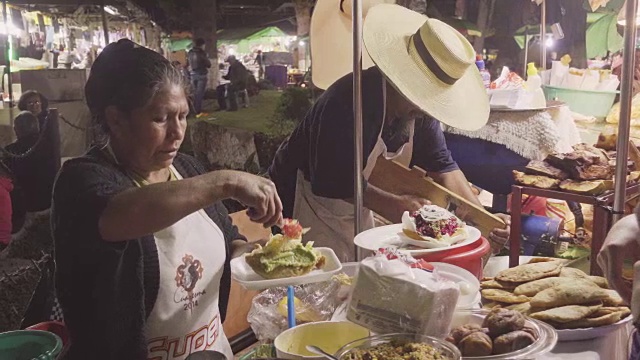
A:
(327, 335)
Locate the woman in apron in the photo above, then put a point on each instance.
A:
(142, 241)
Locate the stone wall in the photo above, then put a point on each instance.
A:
(222, 147)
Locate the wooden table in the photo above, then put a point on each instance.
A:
(601, 217)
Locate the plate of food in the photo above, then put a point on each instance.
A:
(500, 334)
(578, 306)
(426, 230)
(399, 346)
(285, 260)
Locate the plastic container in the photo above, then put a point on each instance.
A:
(486, 75)
(329, 336)
(468, 257)
(29, 344)
(547, 336)
(585, 102)
(55, 327)
(534, 87)
(448, 350)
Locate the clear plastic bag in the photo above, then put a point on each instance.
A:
(313, 302)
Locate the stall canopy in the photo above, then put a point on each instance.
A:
(465, 27)
(244, 38)
(603, 37)
(180, 45)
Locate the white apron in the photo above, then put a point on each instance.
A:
(185, 318)
(331, 220)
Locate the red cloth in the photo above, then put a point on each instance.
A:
(5, 210)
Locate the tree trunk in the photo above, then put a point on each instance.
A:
(485, 16)
(574, 24)
(303, 23)
(203, 17)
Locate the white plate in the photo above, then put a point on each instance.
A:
(591, 333)
(428, 244)
(391, 235)
(250, 280)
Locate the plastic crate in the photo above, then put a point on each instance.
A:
(585, 102)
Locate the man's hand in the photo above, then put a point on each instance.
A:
(499, 237)
(241, 247)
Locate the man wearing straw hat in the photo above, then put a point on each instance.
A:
(423, 70)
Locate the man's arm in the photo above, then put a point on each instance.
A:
(456, 182)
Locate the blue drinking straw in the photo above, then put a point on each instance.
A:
(291, 309)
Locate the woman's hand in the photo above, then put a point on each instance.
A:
(498, 236)
(260, 196)
(621, 242)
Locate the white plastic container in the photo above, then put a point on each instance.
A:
(534, 87)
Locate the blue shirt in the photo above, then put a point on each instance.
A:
(321, 146)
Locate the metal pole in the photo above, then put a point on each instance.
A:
(626, 93)
(105, 26)
(526, 52)
(543, 35)
(9, 84)
(357, 116)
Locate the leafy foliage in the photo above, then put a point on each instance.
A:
(291, 109)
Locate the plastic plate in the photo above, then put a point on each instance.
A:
(391, 235)
(591, 333)
(250, 280)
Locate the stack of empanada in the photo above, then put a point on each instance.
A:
(563, 297)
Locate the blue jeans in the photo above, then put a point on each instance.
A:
(635, 346)
(199, 84)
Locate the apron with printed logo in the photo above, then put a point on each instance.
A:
(185, 318)
(331, 220)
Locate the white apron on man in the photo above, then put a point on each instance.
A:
(331, 220)
(185, 318)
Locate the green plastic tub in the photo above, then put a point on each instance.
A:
(29, 344)
(585, 102)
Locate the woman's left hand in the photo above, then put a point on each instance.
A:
(241, 247)
(499, 237)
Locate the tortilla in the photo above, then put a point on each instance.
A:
(495, 284)
(541, 259)
(503, 296)
(565, 314)
(591, 322)
(568, 295)
(612, 299)
(536, 286)
(529, 272)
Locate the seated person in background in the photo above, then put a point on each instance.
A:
(35, 103)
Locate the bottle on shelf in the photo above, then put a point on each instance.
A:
(534, 87)
(486, 76)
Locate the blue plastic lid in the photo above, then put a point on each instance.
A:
(480, 64)
(29, 344)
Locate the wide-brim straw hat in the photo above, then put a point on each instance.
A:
(331, 39)
(428, 62)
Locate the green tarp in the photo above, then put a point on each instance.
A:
(245, 38)
(180, 44)
(602, 37)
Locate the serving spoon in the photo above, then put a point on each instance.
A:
(316, 350)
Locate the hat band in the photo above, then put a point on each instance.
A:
(428, 59)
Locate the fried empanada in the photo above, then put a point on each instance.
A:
(600, 281)
(574, 273)
(613, 299)
(625, 311)
(523, 308)
(529, 272)
(565, 314)
(536, 286)
(541, 259)
(568, 295)
(495, 284)
(591, 322)
(503, 296)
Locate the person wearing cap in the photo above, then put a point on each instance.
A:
(142, 239)
(621, 245)
(424, 70)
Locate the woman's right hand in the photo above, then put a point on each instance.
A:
(260, 196)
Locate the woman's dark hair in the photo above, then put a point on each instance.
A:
(127, 76)
(24, 100)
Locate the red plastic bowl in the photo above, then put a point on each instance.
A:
(468, 257)
(55, 327)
